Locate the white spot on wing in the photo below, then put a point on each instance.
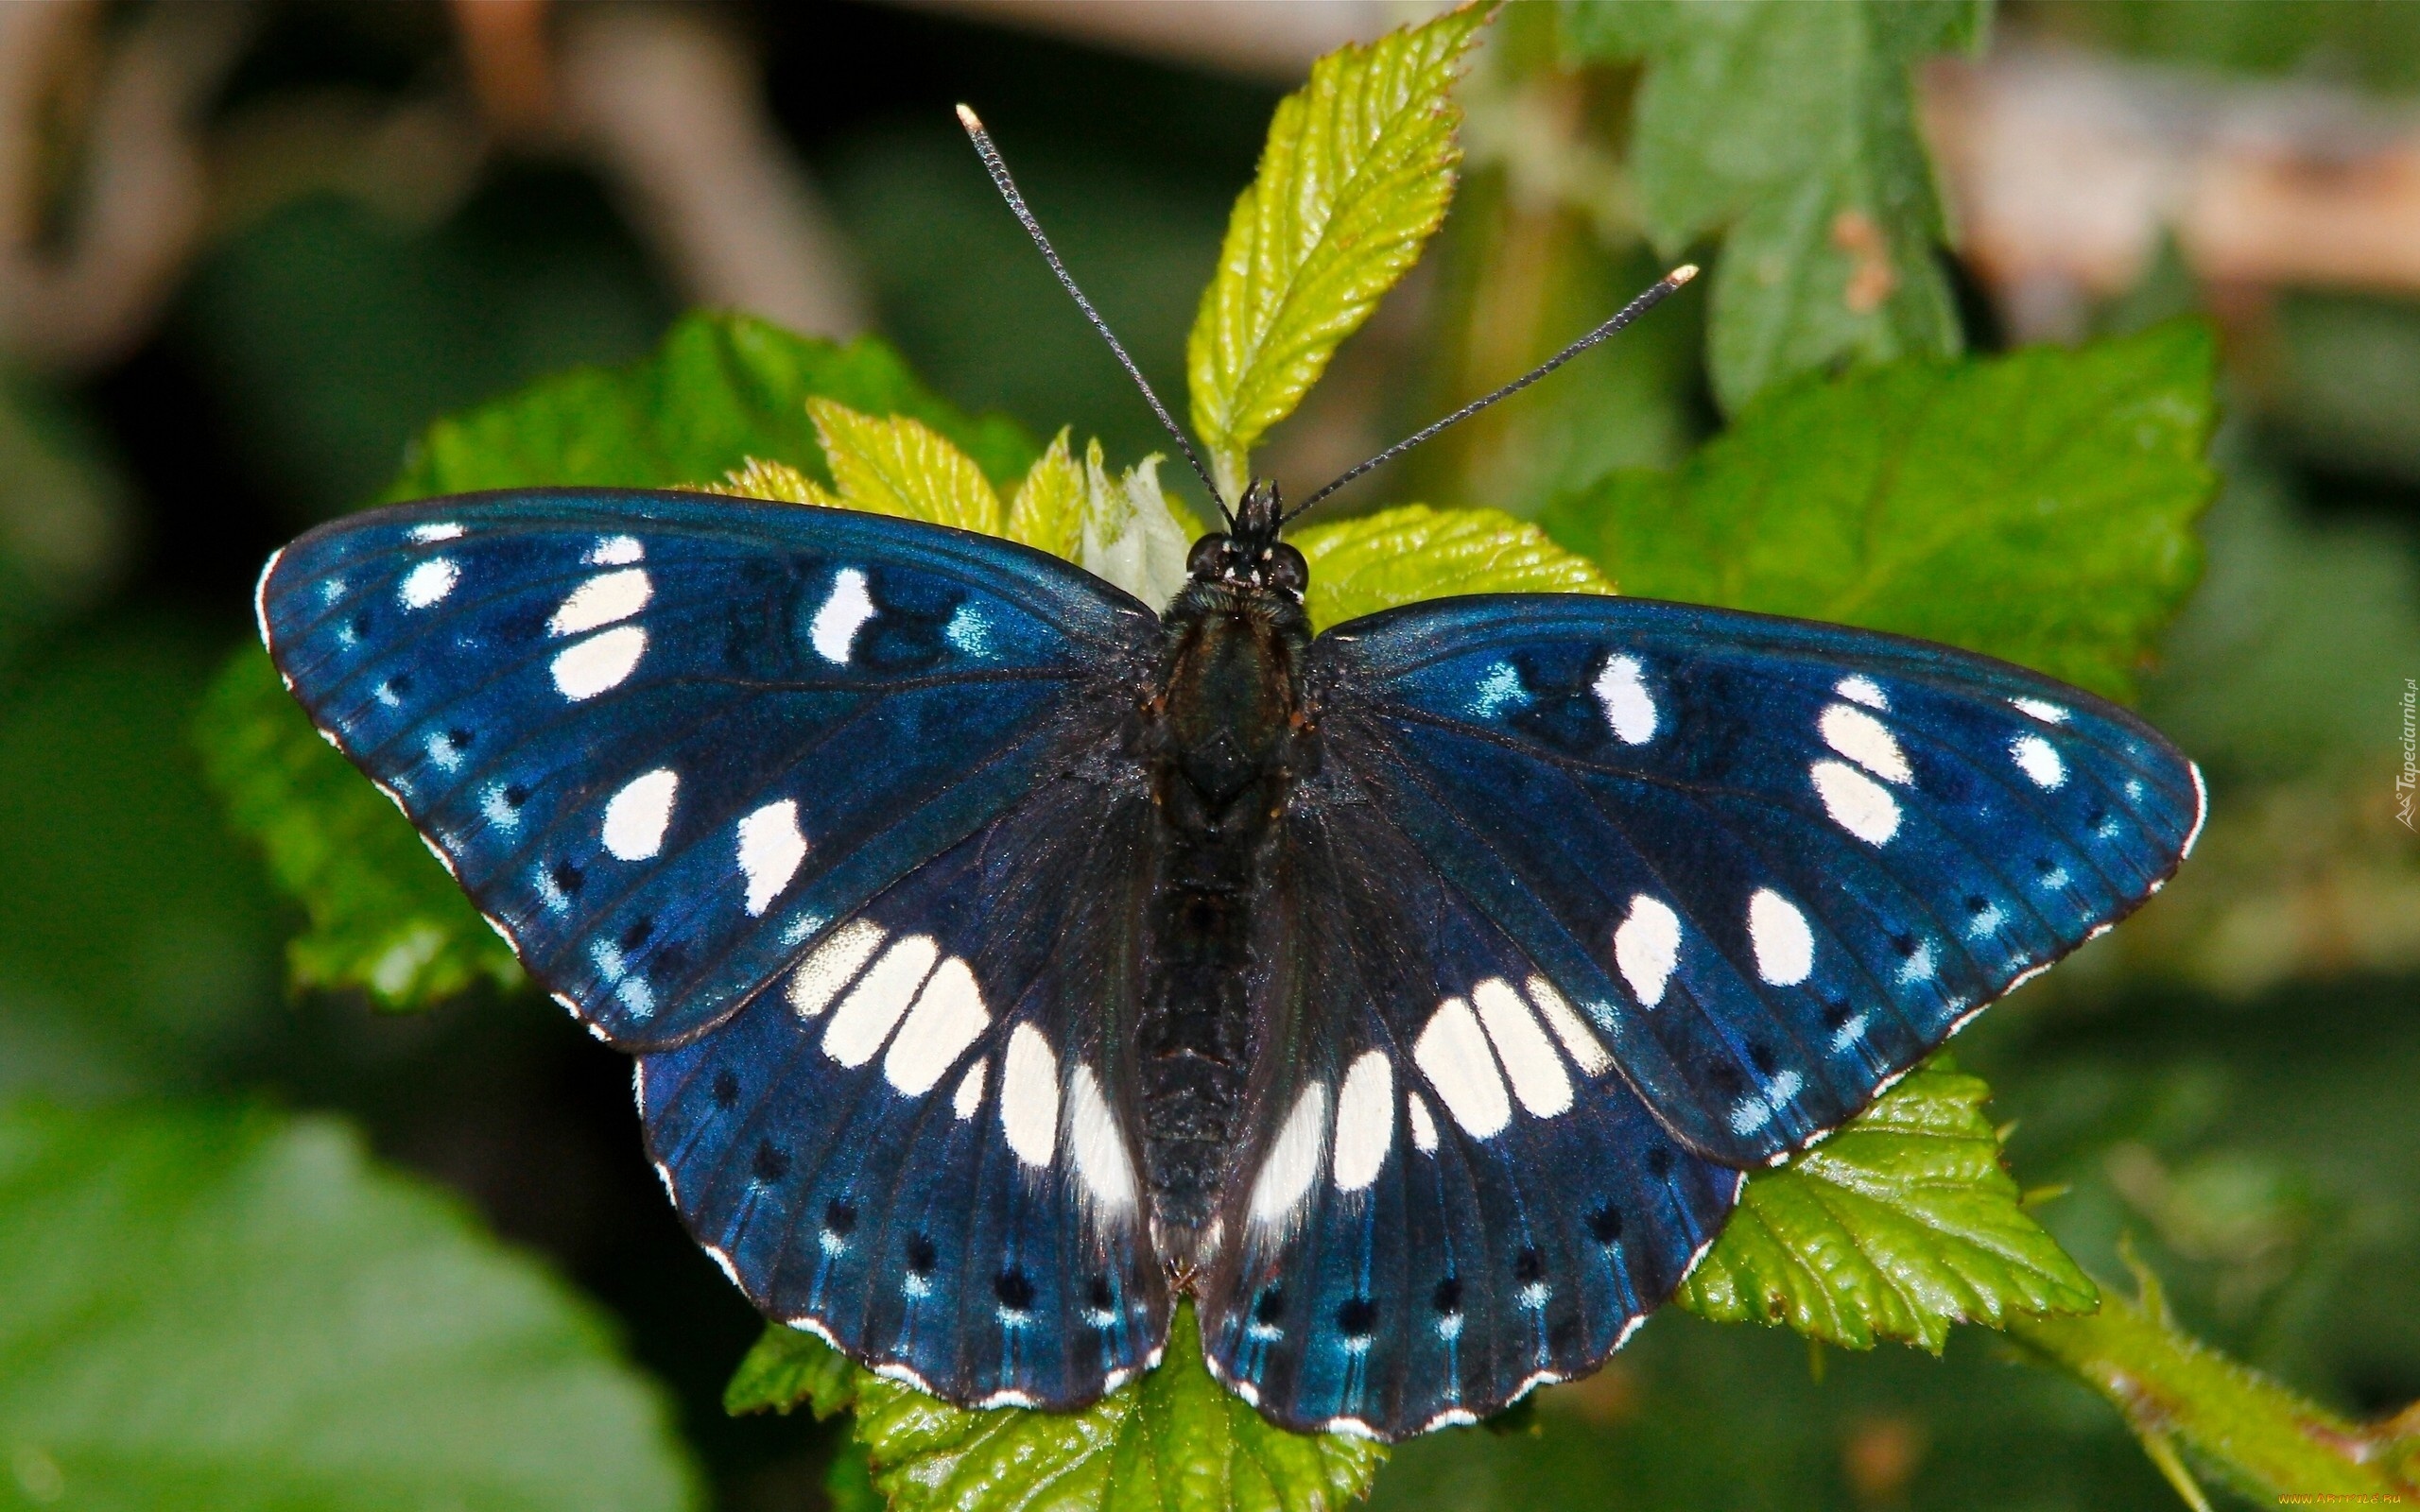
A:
(1918, 966)
(2200, 813)
(587, 668)
(1292, 1164)
(1452, 1053)
(1785, 946)
(429, 535)
(1538, 1077)
(1863, 739)
(1646, 947)
(863, 1020)
(948, 1017)
(2049, 713)
(428, 583)
(2038, 760)
(615, 551)
(969, 1096)
(602, 600)
(771, 845)
(1097, 1146)
(1585, 1050)
(1862, 690)
(1365, 1121)
(636, 818)
(843, 615)
(1029, 1097)
(1424, 1128)
(1856, 803)
(824, 973)
(1628, 707)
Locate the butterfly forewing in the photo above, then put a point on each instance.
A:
(918, 1145)
(666, 741)
(1452, 1193)
(1773, 863)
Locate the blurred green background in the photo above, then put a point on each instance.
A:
(359, 217)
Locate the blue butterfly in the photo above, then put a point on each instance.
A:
(1004, 960)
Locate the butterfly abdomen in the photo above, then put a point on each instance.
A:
(1224, 737)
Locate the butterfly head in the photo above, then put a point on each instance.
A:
(1248, 554)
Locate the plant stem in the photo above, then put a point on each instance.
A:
(2174, 1390)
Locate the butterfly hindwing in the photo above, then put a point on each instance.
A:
(665, 740)
(919, 1144)
(1451, 1195)
(1773, 863)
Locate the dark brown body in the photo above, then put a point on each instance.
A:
(1225, 737)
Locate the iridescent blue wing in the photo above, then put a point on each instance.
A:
(1772, 862)
(668, 740)
(1450, 1195)
(919, 1147)
(825, 816)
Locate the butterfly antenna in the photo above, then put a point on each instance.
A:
(1656, 293)
(1007, 188)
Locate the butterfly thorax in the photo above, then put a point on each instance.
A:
(1226, 734)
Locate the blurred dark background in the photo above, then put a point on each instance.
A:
(246, 251)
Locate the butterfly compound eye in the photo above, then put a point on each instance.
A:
(1207, 556)
(1286, 568)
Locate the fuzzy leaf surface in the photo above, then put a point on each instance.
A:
(1790, 128)
(1355, 173)
(209, 1309)
(2037, 507)
(1896, 1228)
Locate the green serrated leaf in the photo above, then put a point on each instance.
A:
(1173, 1441)
(2038, 507)
(216, 1311)
(898, 466)
(1048, 510)
(786, 1368)
(1791, 127)
(776, 482)
(384, 919)
(1356, 174)
(1401, 555)
(1896, 1228)
(721, 389)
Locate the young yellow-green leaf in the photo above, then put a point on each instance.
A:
(1401, 555)
(1048, 510)
(216, 1311)
(1896, 1228)
(384, 916)
(778, 482)
(1791, 127)
(2038, 507)
(723, 395)
(1130, 534)
(895, 465)
(1355, 176)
